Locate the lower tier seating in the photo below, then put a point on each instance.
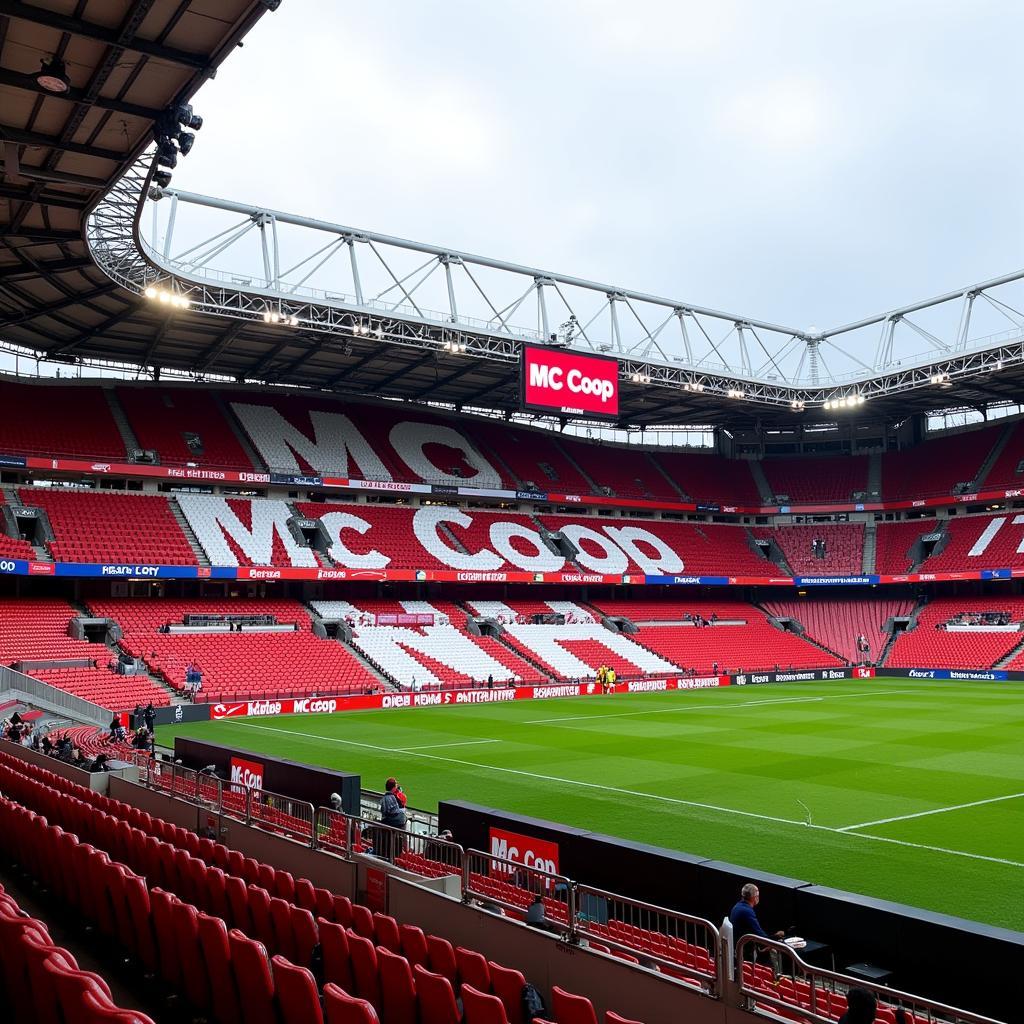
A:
(837, 624)
(928, 645)
(108, 689)
(239, 939)
(742, 640)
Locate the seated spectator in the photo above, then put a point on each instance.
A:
(860, 1007)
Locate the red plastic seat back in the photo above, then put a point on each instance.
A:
(397, 989)
(442, 958)
(473, 969)
(297, 997)
(364, 969)
(414, 944)
(386, 932)
(253, 979)
(215, 950)
(436, 997)
(507, 984)
(481, 1008)
(341, 1008)
(336, 956)
(571, 1009)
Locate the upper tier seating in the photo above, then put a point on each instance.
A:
(844, 547)
(937, 466)
(838, 623)
(812, 478)
(625, 473)
(238, 666)
(754, 645)
(533, 457)
(1008, 469)
(709, 478)
(47, 419)
(162, 418)
(111, 526)
(926, 646)
(507, 612)
(13, 547)
(893, 543)
(980, 542)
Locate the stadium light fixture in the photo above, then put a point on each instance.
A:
(52, 76)
(733, 393)
(167, 155)
(455, 347)
(640, 378)
(796, 405)
(942, 380)
(186, 140)
(166, 297)
(693, 385)
(186, 117)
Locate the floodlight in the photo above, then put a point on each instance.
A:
(184, 115)
(186, 140)
(53, 76)
(167, 155)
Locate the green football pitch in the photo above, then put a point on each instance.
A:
(899, 789)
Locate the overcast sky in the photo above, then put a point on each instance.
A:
(805, 163)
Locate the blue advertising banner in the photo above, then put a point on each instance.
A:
(835, 581)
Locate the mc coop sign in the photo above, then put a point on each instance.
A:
(534, 853)
(246, 773)
(560, 381)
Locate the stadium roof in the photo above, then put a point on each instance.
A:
(124, 65)
(433, 324)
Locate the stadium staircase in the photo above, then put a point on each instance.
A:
(875, 476)
(240, 435)
(131, 442)
(774, 554)
(763, 487)
(1007, 658)
(494, 456)
(990, 460)
(183, 524)
(673, 484)
(803, 634)
(564, 452)
(870, 548)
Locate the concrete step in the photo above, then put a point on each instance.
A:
(131, 442)
(186, 529)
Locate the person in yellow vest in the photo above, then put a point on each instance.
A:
(610, 677)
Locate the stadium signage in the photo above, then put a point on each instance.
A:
(246, 773)
(532, 496)
(541, 854)
(983, 676)
(563, 381)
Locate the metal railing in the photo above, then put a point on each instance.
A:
(275, 812)
(680, 945)
(424, 822)
(519, 888)
(199, 788)
(794, 989)
(50, 698)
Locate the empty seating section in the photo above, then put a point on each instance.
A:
(694, 548)
(533, 457)
(742, 641)
(619, 471)
(813, 478)
(929, 646)
(837, 624)
(12, 547)
(710, 478)
(104, 687)
(79, 424)
(41, 981)
(980, 542)
(506, 612)
(238, 666)
(1008, 469)
(839, 553)
(109, 526)
(936, 467)
(36, 629)
(235, 937)
(894, 544)
(166, 419)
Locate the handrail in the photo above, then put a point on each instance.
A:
(814, 994)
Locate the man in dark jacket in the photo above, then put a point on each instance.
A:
(744, 918)
(392, 813)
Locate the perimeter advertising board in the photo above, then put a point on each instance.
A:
(562, 382)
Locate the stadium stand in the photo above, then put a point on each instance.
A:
(979, 542)
(236, 937)
(837, 623)
(1008, 469)
(841, 552)
(928, 645)
(82, 427)
(12, 547)
(237, 665)
(741, 640)
(811, 478)
(710, 478)
(110, 526)
(895, 541)
(619, 471)
(936, 467)
(534, 459)
(183, 425)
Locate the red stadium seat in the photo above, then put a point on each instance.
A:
(481, 1008)
(341, 1008)
(436, 997)
(296, 993)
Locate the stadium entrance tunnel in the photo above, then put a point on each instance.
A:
(28, 524)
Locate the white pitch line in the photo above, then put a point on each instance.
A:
(629, 792)
(712, 707)
(461, 743)
(936, 810)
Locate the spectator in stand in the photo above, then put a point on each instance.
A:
(136, 721)
(392, 814)
(744, 918)
(117, 733)
(490, 681)
(335, 802)
(861, 1006)
(149, 719)
(100, 764)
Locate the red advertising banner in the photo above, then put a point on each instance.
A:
(246, 773)
(561, 381)
(534, 853)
